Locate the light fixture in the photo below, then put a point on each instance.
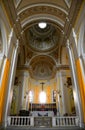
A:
(42, 97)
(42, 25)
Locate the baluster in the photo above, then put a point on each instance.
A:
(75, 121)
(18, 120)
(67, 121)
(11, 121)
(25, 121)
(72, 121)
(56, 121)
(60, 121)
(64, 121)
(29, 121)
(21, 120)
(14, 121)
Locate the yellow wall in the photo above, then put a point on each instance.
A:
(3, 86)
(81, 85)
(37, 88)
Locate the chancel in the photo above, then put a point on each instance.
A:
(42, 95)
(42, 64)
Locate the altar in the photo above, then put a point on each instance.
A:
(48, 110)
(42, 113)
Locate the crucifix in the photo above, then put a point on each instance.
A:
(42, 85)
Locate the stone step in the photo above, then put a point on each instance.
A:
(43, 128)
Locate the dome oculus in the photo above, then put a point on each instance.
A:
(42, 25)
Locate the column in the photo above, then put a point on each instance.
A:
(21, 89)
(62, 94)
(76, 93)
(81, 81)
(25, 91)
(3, 87)
(10, 84)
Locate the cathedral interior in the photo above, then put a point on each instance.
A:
(42, 64)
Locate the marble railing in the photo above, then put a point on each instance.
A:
(54, 121)
(66, 121)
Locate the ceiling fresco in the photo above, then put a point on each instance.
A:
(42, 45)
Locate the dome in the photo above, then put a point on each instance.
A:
(43, 38)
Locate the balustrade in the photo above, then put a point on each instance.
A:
(30, 121)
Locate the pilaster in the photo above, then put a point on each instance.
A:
(8, 95)
(76, 93)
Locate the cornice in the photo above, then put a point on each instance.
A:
(58, 67)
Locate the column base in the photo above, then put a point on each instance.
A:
(82, 125)
(1, 126)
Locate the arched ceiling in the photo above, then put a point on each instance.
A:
(56, 10)
(19, 4)
(60, 17)
(42, 67)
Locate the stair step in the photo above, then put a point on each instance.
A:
(44, 128)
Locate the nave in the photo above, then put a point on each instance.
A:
(42, 64)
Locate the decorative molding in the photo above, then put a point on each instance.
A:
(42, 10)
(49, 4)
